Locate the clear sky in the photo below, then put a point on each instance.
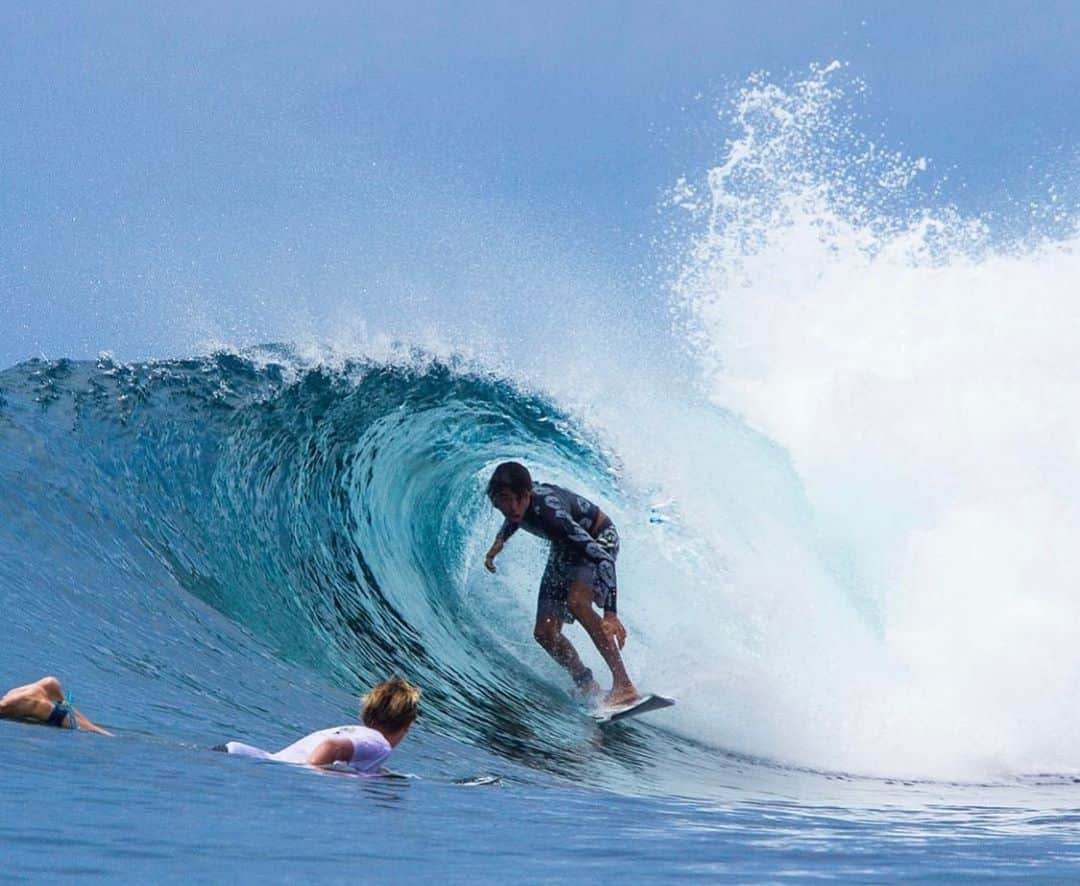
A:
(159, 163)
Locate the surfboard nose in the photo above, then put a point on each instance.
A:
(644, 704)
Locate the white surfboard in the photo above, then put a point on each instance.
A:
(643, 705)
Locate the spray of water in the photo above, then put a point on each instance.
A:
(921, 376)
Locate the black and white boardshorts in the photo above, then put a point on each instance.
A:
(566, 565)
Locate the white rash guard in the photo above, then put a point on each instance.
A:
(370, 748)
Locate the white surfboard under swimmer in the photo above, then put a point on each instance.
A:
(642, 705)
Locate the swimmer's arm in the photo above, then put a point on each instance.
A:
(333, 750)
(87, 726)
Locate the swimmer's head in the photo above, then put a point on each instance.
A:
(509, 489)
(390, 708)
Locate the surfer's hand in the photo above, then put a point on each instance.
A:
(613, 628)
(491, 554)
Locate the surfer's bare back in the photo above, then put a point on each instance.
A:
(580, 572)
(43, 701)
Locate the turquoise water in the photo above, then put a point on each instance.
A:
(234, 546)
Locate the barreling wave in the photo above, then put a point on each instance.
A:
(335, 513)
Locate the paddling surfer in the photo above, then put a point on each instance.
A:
(387, 713)
(43, 701)
(580, 572)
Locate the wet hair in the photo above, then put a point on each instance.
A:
(509, 477)
(390, 705)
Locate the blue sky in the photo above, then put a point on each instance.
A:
(239, 160)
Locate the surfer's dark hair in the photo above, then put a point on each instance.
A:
(509, 477)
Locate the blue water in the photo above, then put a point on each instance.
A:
(235, 545)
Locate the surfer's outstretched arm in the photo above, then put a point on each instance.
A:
(493, 552)
(43, 701)
(508, 528)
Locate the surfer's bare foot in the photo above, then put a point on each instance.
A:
(621, 695)
(588, 691)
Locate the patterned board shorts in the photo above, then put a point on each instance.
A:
(565, 566)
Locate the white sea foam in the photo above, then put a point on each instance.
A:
(922, 377)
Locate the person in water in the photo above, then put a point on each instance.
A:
(44, 702)
(580, 572)
(387, 713)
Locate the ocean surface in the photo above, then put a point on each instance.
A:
(235, 546)
(841, 452)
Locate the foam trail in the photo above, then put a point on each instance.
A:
(921, 375)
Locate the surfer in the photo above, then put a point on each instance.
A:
(387, 713)
(44, 702)
(580, 572)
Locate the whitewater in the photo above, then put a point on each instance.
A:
(843, 462)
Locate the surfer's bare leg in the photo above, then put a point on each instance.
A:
(580, 601)
(548, 633)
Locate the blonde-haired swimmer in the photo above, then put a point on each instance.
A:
(44, 702)
(387, 712)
